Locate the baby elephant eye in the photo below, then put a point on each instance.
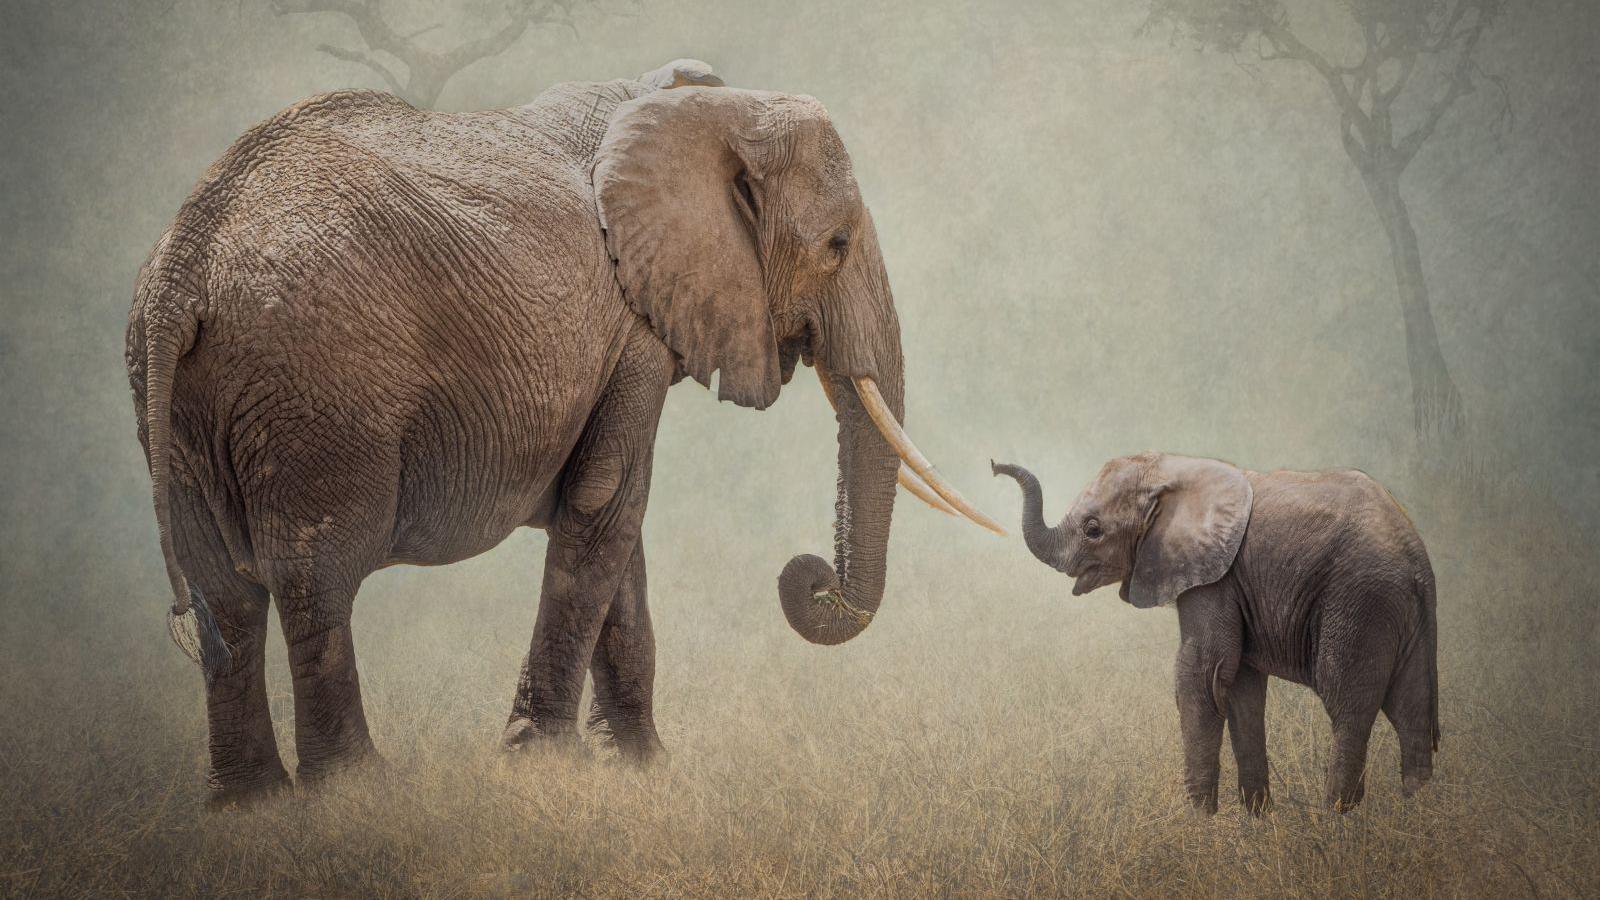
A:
(1091, 530)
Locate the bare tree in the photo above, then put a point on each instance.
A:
(1400, 39)
(427, 70)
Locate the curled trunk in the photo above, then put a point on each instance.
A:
(830, 604)
(1046, 543)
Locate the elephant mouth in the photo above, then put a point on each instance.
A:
(799, 347)
(1091, 579)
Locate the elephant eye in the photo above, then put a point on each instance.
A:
(839, 243)
(1091, 530)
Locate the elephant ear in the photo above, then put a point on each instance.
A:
(1200, 510)
(681, 72)
(677, 180)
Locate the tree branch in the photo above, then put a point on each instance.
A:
(427, 70)
(1408, 64)
(1287, 45)
(1447, 32)
(1460, 83)
(367, 17)
(1353, 147)
(357, 56)
(500, 41)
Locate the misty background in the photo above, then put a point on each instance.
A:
(1100, 242)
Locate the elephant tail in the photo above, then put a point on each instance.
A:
(1430, 626)
(170, 327)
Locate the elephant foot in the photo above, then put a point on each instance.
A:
(522, 736)
(1203, 800)
(313, 771)
(1256, 800)
(243, 794)
(1414, 780)
(1343, 803)
(642, 752)
(519, 733)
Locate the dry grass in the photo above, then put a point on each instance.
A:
(996, 744)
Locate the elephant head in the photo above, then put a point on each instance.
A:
(737, 231)
(1159, 524)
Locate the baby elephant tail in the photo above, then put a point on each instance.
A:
(1431, 647)
(1419, 674)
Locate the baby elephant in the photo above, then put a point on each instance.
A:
(1317, 577)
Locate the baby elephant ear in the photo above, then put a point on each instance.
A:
(1202, 509)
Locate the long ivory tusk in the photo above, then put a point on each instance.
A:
(906, 477)
(909, 480)
(896, 436)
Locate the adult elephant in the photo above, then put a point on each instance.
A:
(380, 335)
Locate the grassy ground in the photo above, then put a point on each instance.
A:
(1005, 743)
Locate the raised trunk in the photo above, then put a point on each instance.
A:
(1435, 403)
(1044, 542)
(832, 604)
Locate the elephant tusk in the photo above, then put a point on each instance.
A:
(911, 456)
(906, 477)
(909, 480)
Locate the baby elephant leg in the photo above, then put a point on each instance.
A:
(1208, 661)
(1247, 730)
(1354, 665)
(1347, 766)
(1409, 708)
(1203, 680)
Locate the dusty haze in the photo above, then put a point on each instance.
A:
(1100, 243)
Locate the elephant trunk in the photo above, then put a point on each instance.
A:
(830, 604)
(861, 366)
(1046, 543)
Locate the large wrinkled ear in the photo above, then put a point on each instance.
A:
(1201, 509)
(678, 182)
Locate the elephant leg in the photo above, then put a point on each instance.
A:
(320, 526)
(1247, 731)
(589, 552)
(624, 668)
(315, 590)
(330, 726)
(1409, 708)
(593, 534)
(1201, 720)
(243, 754)
(1208, 661)
(1347, 777)
(1354, 663)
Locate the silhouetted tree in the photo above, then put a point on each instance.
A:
(1399, 39)
(427, 70)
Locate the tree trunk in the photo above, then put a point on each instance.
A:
(424, 87)
(1435, 403)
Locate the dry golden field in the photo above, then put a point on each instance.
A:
(1100, 242)
(989, 736)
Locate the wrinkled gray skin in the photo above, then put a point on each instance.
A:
(1318, 578)
(380, 335)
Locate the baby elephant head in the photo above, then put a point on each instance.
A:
(1157, 523)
